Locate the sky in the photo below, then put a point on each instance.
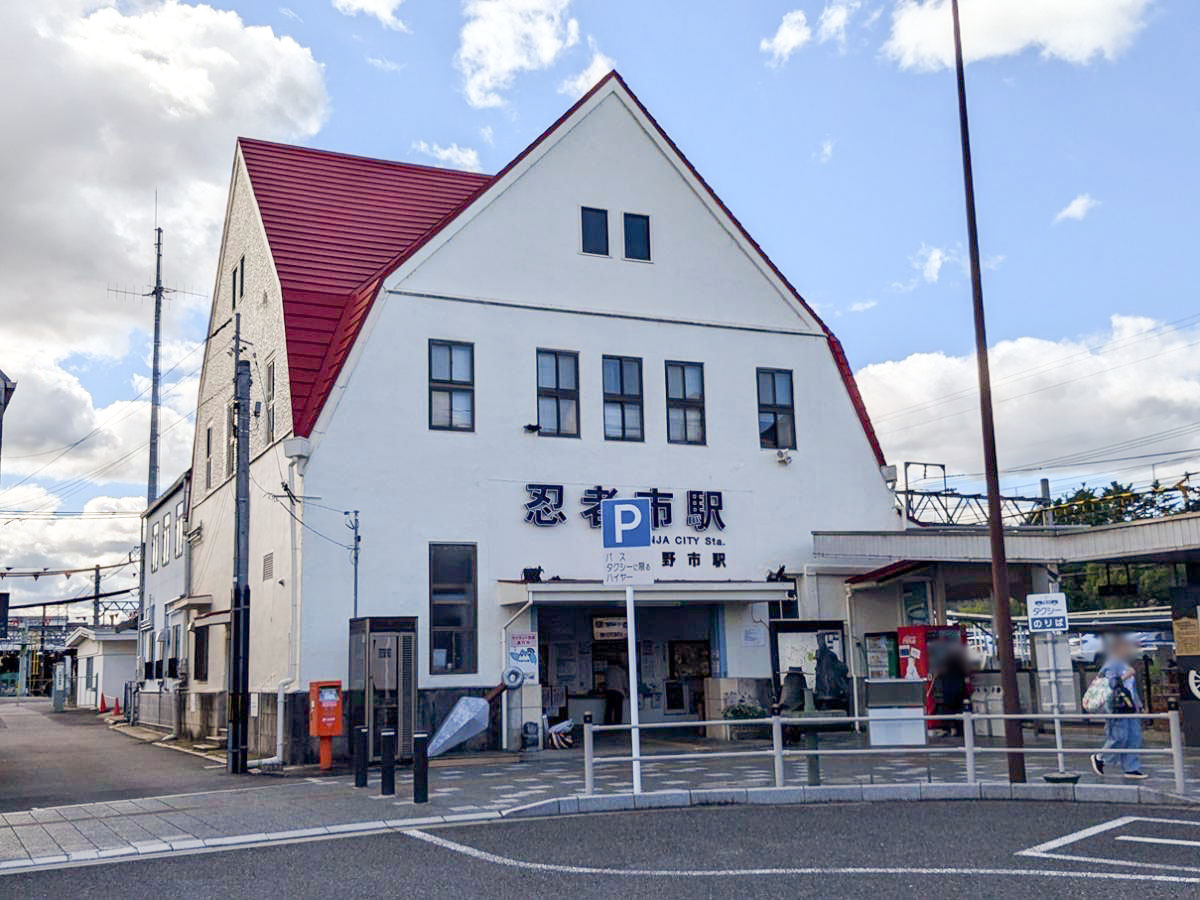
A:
(829, 127)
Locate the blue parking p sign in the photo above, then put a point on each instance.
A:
(625, 524)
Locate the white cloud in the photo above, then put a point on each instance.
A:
(454, 156)
(383, 64)
(792, 34)
(929, 261)
(290, 14)
(487, 135)
(115, 102)
(1138, 379)
(580, 84)
(502, 38)
(1077, 209)
(825, 154)
(863, 305)
(831, 26)
(383, 10)
(1076, 31)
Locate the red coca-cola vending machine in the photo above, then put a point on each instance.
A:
(924, 650)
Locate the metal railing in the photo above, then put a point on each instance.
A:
(969, 750)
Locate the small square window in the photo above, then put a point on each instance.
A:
(594, 230)
(637, 237)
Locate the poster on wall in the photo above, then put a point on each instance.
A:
(609, 628)
(523, 653)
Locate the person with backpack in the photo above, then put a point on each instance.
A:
(1125, 734)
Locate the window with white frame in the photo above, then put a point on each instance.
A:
(166, 539)
(153, 550)
(179, 536)
(208, 451)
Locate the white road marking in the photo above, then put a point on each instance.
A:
(1042, 851)
(495, 859)
(1155, 840)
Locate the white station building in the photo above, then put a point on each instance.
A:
(471, 363)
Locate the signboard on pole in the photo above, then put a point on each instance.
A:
(523, 653)
(627, 559)
(1047, 612)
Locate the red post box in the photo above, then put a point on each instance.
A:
(325, 716)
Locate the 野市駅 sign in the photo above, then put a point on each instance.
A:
(1047, 612)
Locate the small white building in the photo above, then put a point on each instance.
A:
(165, 647)
(469, 363)
(104, 663)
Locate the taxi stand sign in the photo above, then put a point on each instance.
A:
(628, 561)
(1047, 612)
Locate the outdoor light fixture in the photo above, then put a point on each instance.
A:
(777, 575)
(533, 429)
(532, 576)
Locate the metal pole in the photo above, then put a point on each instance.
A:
(777, 748)
(353, 523)
(1002, 614)
(1176, 751)
(420, 768)
(96, 596)
(589, 737)
(969, 743)
(387, 762)
(1052, 640)
(631, 649)
(360, 756)
(152, 474)
(239, 669)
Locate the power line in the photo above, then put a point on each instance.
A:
(44, 573)
(71, 600)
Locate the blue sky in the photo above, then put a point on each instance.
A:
(828, 127)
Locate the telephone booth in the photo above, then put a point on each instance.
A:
(382, 690)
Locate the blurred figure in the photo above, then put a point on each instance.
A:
(952, 687)
(1123, 734)
(616, 687)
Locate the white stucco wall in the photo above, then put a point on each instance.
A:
(374, 452)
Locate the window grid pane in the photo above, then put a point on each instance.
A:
(451, 386)
(453, 608)
(685, 403)
(622, 398)
(776, 413)
(558, 393)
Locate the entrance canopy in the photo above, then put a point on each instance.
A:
(663, 593)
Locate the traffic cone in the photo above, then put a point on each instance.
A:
(103, 704)
(116, 706)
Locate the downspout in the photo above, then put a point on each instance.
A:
(503, 654)
(852, 654)
(295, 452)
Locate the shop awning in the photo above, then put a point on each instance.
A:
(663, 593)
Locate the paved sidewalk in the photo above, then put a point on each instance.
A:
(263, 807)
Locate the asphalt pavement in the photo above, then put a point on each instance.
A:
(927, 850)
(53, 759)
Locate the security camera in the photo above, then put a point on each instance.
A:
(783, 457)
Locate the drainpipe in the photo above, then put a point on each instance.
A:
(852, 656)
(297, 450)
(503, 654)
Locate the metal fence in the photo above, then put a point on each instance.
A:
(778, 752)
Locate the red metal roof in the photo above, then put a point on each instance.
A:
(336, 225)
(339, 224)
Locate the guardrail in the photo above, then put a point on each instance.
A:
(779, 752)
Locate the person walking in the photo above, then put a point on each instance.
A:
(1124, 734)
(616, 687)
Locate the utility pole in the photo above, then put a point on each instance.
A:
(352, 524)
(152, 474)
(1001, 610)
(96, 596)
(238, 705)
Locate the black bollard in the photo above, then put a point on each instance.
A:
(420, 768)
(360, 756)
(387, 762)
(811, 742)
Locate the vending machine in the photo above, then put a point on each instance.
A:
(924, 650)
